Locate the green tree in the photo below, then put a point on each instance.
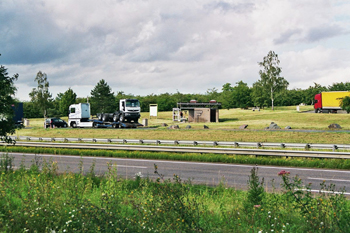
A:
(339, 87)
(270, 79)
(66, 99)
(166, 102)
(260, 97)
(309, 94)
(226, 97)
(241, 95)
(7, 92)
(40, 96)
(102, 98)
(345, 104)
(30, 110)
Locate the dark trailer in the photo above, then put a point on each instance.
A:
(18, 113)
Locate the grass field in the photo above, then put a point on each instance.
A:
(226, 130)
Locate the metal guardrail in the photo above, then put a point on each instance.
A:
(186, 149)
(305, 146)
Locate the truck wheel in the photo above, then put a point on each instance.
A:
(115, 118)
(104, 117)
(121, 118)
(74, 125)
(94, 125)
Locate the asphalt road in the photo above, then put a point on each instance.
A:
(233, 175)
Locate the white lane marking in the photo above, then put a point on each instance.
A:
(314, 178)
(128, 166)
(186, 162)
(322, 191)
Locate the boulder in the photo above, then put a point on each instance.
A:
(188, 126)
(334, 126)
(273, 125)
(164, 124)
(243, 126)
(206, 127)
(288, 127)
(174, 127)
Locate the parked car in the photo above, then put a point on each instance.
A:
(55, 122)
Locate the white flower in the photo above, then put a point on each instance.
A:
(138, 174)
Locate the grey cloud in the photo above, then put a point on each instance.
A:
(228, 7)
(324, 32)
(286, 36)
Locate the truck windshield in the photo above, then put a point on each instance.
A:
(132, 103)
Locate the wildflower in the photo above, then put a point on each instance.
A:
(257, 206)
(283, 172)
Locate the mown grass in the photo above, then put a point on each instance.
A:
(225, 130)
(34, 200)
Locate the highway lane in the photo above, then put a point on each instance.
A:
(233, 175)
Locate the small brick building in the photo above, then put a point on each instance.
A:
(197, 112)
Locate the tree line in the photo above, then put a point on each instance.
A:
(103, 99)
(269, 91)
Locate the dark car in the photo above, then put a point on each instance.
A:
(55, 122)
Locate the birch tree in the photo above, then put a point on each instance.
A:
(270, 79)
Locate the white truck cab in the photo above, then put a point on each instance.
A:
(79, 115)
(130, 110)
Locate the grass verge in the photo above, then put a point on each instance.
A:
(237, 159)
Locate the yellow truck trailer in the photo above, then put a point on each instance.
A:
(329, 101)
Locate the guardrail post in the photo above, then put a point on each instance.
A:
(195, 143)
(40, 139)
(109, 140)
(258, 145)
(124, 141)
(53, 139)
(283, 145)
(307, 146)
(65, 140)
(215, 143)
(141, 141)
(176, 142)
(79, 140)
(28, 138)
(158, 142)
(335, 147)
(94, 140)
(236, 144)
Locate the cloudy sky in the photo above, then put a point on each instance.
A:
(148, 46)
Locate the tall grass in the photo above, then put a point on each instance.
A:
(38, 199)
